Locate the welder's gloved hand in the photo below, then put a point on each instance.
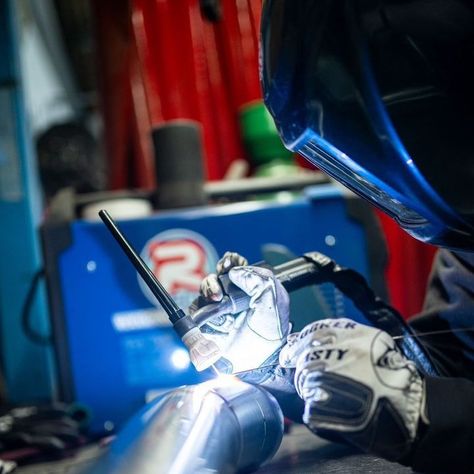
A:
(356, 385)
(252, 338)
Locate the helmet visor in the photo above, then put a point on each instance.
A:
(336, 102)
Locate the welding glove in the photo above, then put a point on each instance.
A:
(252, 338)
(356, 385)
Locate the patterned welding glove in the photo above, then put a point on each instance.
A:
(251, 339)
(356, 385)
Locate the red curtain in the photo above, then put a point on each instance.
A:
(408, 267)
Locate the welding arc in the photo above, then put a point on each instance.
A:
(168, 304)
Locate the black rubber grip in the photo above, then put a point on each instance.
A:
(183, 325)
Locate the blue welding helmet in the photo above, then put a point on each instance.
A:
(379, 94)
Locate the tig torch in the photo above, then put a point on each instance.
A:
(310, 269)
(202, 351)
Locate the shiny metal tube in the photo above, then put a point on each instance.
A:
(223, 425)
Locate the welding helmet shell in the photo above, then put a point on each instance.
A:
(380, 95)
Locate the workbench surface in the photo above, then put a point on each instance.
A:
(300, 453)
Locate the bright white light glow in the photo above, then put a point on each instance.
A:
(180, 359)
(223, 380)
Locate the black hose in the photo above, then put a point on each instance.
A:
(26, 325)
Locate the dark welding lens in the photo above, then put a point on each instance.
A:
(329, 82)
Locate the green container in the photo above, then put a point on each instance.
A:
(260, 135)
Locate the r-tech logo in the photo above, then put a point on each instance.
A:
(180, 259)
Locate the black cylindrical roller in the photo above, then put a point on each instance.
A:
(179, 164)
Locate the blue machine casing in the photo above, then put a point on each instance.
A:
(114, 346)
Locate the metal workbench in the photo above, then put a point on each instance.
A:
(300, 453)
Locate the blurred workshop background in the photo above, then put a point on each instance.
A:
(153, 110)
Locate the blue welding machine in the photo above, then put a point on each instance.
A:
(114, 343)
